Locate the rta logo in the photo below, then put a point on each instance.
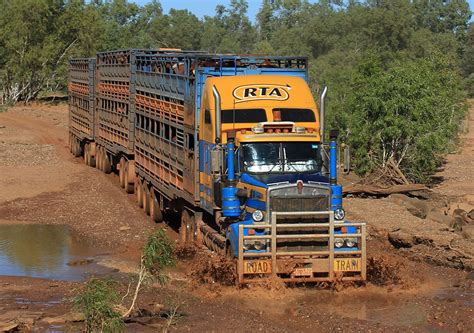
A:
(252, 92)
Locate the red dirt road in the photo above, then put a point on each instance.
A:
(41, 183)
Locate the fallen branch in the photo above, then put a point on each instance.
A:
(376, 190)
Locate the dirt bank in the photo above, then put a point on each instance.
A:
(43, 184)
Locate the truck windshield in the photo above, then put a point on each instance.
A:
(278, 157)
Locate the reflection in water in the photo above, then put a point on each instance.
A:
(40, 251)
(34, 249)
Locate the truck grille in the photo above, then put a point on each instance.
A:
(298, 204)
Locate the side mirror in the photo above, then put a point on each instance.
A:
(217, 159)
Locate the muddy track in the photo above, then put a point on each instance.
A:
(41, 183)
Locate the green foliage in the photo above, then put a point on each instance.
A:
(352, 45)
(408, 113)
(97, 302)
(158, 252)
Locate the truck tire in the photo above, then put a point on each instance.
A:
(107, 167)
(78, 151)
(184, 228)
(139, 192)
(70, 143)
(92, 158)
(86, 154)
(98, 163)
(155, 209)
(146, 198)
(198, 239)
(121, 168)
(128, 183)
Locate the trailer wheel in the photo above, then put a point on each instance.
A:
(129, 186)
(77, 148)
(197, 229)
(184, 230)
(98, 163)
(107, 167)
(121, 168)
(146, 198)
(70, 143)
(155, 209)
(139, 192)
(192, 230)
(92, 158)
(86, 154)
(73, 146)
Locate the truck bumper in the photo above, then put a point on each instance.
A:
(324, 264)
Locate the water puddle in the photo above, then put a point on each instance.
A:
(380, 309)
(46, 251)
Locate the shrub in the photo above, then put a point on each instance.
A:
(407, 115)
(97, 302)
(158, 252)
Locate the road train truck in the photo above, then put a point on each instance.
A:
(233, 144)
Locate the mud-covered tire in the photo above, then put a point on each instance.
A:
(198, 238)
(229, 252)
(184, 228)
(107, 167)
(92, 159)
(98, 164)
(128, 184)
(139, 192)
(86, 154)
(70, 143)
(77, 148)
(155, 209)
(121, 167)
(146, 198)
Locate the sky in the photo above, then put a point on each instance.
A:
(207, 7)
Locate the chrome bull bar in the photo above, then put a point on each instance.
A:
(302, 266)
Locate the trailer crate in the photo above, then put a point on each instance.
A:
(81, 98)
(164, 142)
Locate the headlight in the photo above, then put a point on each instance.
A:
(339, 214)
(257, 216)
(248, 245)
(351, 242)
(339, 242)
(259, 245)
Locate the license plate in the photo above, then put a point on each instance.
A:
(303, 271)
(257, 267)
(347, 265)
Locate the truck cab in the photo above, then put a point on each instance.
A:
(262, 174)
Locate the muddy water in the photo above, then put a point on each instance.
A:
(45, 251)
(377, 308)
